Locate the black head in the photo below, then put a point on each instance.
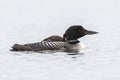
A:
(75, 32)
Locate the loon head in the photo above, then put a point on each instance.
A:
(76, 31)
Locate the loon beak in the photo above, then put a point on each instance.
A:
(88, 32)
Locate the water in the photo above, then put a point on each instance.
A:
(33, 20)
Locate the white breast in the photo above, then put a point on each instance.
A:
(75, 47)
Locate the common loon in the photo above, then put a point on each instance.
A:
(69, 41)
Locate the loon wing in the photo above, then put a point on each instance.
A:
(39, 46)
(53, 38)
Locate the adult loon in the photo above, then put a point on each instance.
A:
(69, 41)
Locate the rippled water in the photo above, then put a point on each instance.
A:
(33, 20)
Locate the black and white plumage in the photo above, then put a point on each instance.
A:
(46, 45)
(39, 46)
(68, 42)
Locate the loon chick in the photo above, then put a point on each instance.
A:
(68, 42)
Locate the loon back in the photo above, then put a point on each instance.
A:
(53, 38)
(39, 46)
(72, 45)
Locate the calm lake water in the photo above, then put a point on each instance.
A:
(31, 21)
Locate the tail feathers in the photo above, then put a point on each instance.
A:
(18, 47)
